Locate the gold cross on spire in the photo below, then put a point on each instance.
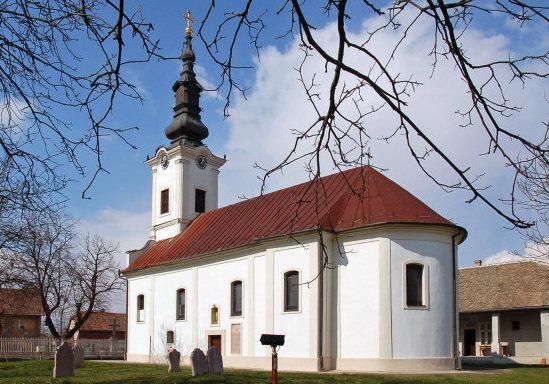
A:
(189, 17)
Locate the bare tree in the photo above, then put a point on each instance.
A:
(340, 130)
(58, 59)
(536, 191)
(72, 275)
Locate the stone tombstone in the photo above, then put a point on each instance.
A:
(78, 353)
(215, 361)
(199, 363)
(64, 361)
(174, 360)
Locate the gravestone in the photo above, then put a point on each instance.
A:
(78, 357)
(64, 361)
(174, 360)
(199, 363)
(215, 361)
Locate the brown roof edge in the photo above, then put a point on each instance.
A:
(508, 309)
(460, 231)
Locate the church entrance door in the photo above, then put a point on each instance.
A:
(215, 341)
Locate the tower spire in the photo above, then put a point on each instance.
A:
(186, 123)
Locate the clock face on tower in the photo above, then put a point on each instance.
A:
(164, 161)
(201, 161)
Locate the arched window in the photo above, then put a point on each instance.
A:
(236, 298)
(180, 304)
(291, 291)
(414, 285)
(169, 337)
(140, 308)
(214, 315)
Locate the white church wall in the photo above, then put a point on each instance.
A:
(165, 317)
(166, 232)
(138, 332)
(422, 332)
(214, 283)
(295, 325)
(204, 179)
(165, 179)
(182, 177)
(359, 300)
(259, 325)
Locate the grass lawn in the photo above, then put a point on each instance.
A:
(24, 372)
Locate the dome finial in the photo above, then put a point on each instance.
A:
(189, 17)
(186, 124)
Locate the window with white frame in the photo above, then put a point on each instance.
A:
(414, 285)
(236, 298)
(486, 333)
(180, 298)
(141, 308)
(291, 291)
(169, 337)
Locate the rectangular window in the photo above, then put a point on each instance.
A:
(140, 308)
(169, 337)
(181, 304)
(291, 291)
(414, 285)
(236, 298)
(164, 201)
(515, 325)
(486, 333)
(199, 201)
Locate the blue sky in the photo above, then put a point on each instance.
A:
(119, 203)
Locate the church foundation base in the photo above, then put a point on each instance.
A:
(396, 365)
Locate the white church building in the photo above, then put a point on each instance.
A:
(355, 271)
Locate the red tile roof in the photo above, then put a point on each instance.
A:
(20, 302)
(346, 200)
(102, 321)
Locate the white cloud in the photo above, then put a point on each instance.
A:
(128, 229)
(204, 79)
(502, 257)
(260, 126)
(13, 114)
(531, 251)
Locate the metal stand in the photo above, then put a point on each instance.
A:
(274, 366)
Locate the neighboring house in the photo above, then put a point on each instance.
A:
(20, 313)
(222, 277)
(102, 325)
(504, 311)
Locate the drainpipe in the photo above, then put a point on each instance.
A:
(127, 321)
(455, 312)
(320, 305)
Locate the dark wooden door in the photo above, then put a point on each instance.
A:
(215, 341)
(469, 338)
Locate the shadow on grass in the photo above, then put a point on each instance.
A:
(39, 372)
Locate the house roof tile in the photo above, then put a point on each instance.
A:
(102, 321)
(523, 284)
(20, 302)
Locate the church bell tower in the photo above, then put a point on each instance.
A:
(184, 174)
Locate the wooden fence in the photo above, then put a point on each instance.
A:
(44, 347)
